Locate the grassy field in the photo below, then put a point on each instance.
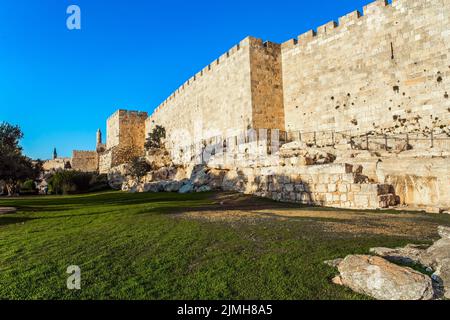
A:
(171, 246)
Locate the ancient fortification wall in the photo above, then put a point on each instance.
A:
(387, 69)
(86, 161)
(126, 129)
(240, 90)
(125, 139)
(384, 71)
(56, 164)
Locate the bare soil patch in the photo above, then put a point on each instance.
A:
(235, 208)
(4, 210)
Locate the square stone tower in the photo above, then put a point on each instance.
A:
(126, 129)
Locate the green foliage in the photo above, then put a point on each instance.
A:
(14, 166)
(138, 167)
(155, 138)
(28, 187)
(10, 136)
(73, 182)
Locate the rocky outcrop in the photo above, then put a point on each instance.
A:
(437, 257)
(383, 280)
(305, 155)
(411, 254)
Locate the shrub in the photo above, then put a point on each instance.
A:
(155, 138)
(28, 187)
(138, 168)
(72, 182)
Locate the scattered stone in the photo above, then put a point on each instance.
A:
(337, 280)
(333, 263)
(383, 280)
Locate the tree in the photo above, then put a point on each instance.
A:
(155, 138)
(138, 168)
(14, 166)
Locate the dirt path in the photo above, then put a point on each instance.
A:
(235, 208)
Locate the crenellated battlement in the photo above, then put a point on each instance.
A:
(344, 22)
(84, 152)
(245, 44)
(121, 113)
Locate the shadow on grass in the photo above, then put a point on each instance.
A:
(4, 221)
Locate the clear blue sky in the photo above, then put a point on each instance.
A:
(61, 85)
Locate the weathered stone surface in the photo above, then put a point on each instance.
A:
(203, 189)
(444, 232)
(304, 154)
(187, 188)
(333, 263)
(383, 280)
(408, 255)
(442, 277)
(436, 254)
(158, 158)
(173, 186)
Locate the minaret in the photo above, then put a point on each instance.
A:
(99, 138)
(55, 155)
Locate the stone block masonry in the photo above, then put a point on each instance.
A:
(126, 129)
(384, 70)
(388, 69)
(335, 185)
(86, 161)
(240, 90)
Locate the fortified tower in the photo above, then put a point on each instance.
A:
(125, 138)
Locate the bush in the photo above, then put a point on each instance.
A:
(28, 187)
(155, 138)
(138, 168)
(73, 182)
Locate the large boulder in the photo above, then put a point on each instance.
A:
(438, 258)
(187, 188)
(173, 186)
(200, 176)
(439, 252)
(383, 280)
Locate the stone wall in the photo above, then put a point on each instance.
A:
(86, 161)
(240, 90)
(56, 164)
(126, 129)
(330, 185)
(420, 179)
(387, 69)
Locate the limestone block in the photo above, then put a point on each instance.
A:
(332, 188)
(361, 201)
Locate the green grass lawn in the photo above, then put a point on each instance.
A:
(138, 246)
